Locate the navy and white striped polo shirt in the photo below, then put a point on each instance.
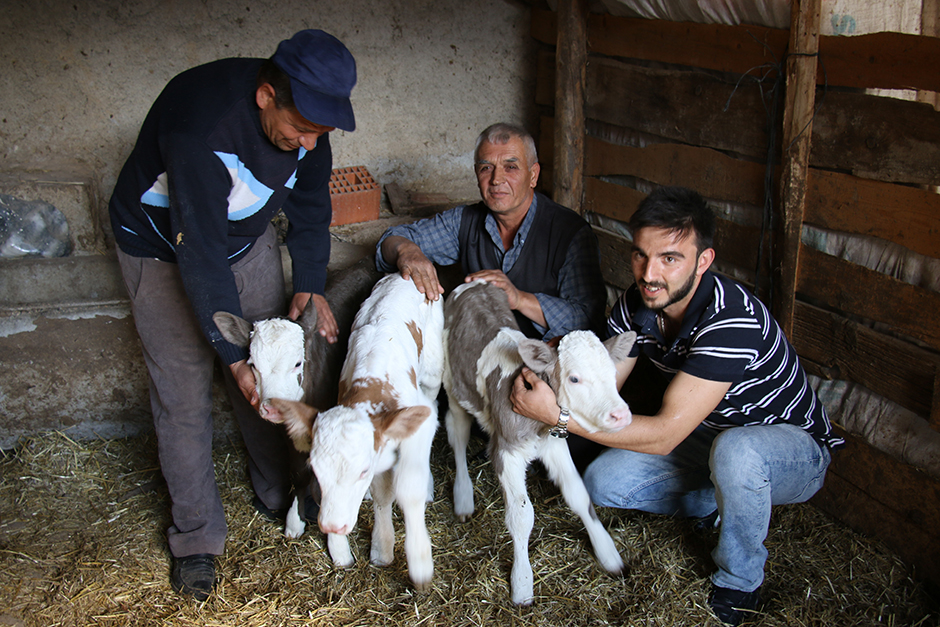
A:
(728, 335)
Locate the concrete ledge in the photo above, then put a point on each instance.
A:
(34, 284)
(71, 358)
(72, 191)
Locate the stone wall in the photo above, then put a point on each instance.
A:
(78, 79)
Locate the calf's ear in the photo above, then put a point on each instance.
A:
(308, 318)
(402, 423)
(297, 418)
(234, 329)
(537, 355)
(619, 346)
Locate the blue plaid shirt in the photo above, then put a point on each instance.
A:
(582, 293)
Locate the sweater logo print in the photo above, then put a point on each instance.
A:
(247, 196)
(158, 195)
(293, 177)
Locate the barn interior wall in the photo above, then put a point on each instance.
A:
(838, 17)
(866, 289)
(79, 77)
(78, 80)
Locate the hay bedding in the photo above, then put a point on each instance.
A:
(82, 543)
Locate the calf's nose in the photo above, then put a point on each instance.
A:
(340, 530)
(621, 417)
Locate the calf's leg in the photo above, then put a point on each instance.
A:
(412, 472)
(519, 521)
(383, 530)
(294, 525)
(338, 546)
(458, 423)
(562, 471)
(411, 499)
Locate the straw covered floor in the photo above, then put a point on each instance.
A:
(82, 542)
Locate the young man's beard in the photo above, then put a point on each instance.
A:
(678, 295)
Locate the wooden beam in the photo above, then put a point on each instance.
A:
(886, 499)
(873, 137)
(879, 60)
(930, 26)
(692, 107)
(859, 291)
(615, 258)
(611, 200)
(711, 173)
(835, 348)
(897, 213)
(797, 132)
(935, 408)
(397, 197)
(876, 60)
(569, 103)
(712, 46)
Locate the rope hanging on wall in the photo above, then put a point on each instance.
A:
(773, 73)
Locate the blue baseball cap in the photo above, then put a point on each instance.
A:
(322, 74)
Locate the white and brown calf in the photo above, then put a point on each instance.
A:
(381, 432)
(484, 352)
(291, 360)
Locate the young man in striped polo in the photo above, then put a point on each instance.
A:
(739, 428)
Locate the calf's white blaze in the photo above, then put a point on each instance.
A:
(276, 353)
(587, 384)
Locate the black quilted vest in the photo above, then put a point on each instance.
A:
(543, 251)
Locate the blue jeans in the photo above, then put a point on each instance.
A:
(741, 471)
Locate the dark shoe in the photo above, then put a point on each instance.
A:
(274, 515)
(311, 509)
(194, 574)
(733, 606)
(706, 524)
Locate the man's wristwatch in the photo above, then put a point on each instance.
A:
(560, 430)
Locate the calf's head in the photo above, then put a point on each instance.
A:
(347, 450)
(275, 354)
(583, 374)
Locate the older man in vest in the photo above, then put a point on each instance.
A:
(544, 256)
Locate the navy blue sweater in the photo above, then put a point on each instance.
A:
(203, 183)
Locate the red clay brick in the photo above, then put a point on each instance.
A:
(354, 194)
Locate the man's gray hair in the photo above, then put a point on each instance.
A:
(501, 133)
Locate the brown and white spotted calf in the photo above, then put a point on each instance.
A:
(484, 353)
(381, 432)
(291, 360)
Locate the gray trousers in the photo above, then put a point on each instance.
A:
(180, 362)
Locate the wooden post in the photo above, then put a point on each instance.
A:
(571, 61)
(934, 419)
(930, 26)
(797, 132)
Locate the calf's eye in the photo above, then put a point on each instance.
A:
(573, 379)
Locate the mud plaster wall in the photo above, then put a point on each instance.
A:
(78, 77)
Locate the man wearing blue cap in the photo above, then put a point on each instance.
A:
(224, 147)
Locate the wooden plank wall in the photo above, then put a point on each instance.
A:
(688, 104)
